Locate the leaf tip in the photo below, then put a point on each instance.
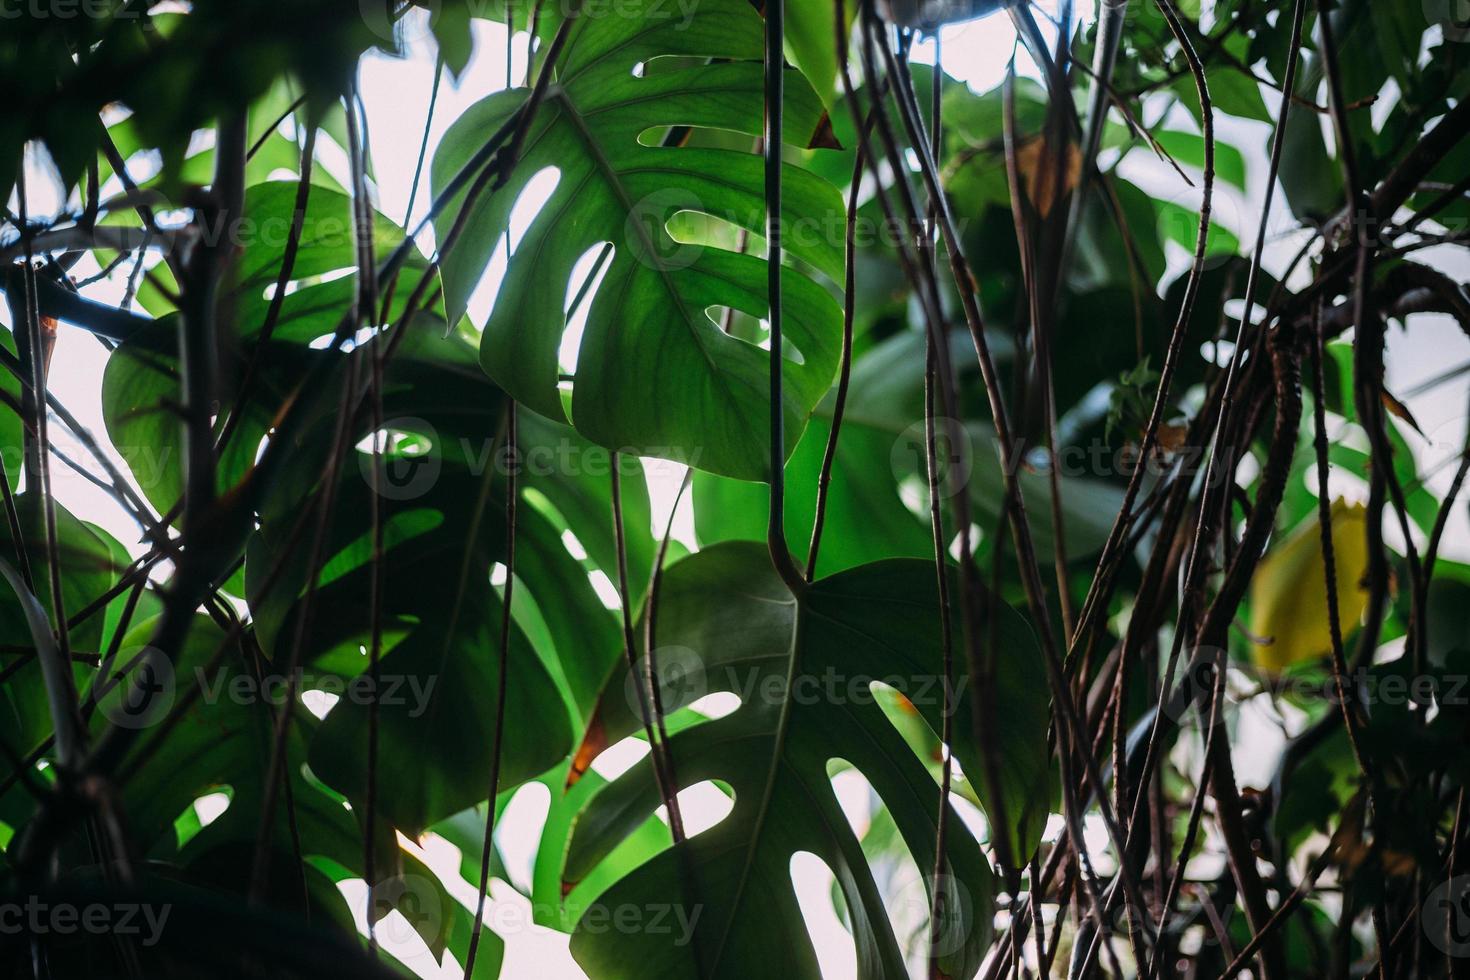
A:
(824, 137)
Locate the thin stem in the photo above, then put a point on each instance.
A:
(775, 82)
(1069, 728)
(658, 749)
(71, 737)
(844, 370)
(512, 501)
(366, 299)
(946, 634)
(1329, 558)
(938, 889)
(418, 167)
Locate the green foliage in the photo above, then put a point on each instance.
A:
(654, 374)
(317, 631)
(868, 626)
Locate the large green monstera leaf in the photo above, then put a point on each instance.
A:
(653, 374)
(805, 670)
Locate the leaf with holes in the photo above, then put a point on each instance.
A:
(805, 671)
(653, 371)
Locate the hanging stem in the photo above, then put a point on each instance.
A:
(1069, 727)
(946, 633)
(278, 294)
(844, 370)
(662, 747)
(658, 748)
(938, 892)
(775, 11)
(1329, 558)
(423, 154)
(650, 648)
(366, 310)
(71, 736)
(502, 685)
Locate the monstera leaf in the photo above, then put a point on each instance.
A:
(804, 670)
(653, 372)
(141, 386)
(225, 738)
(437, 487)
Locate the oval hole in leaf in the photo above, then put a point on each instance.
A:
(702, 806)
(578, 284)
(618, 759)
(518, 831)
(528, 206)
(717, 705)
(813, 882)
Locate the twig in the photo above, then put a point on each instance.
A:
(512, 494)
(844, 371)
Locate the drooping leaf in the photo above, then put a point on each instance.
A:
(1289, 593)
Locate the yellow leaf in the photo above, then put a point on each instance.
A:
(1289, 590)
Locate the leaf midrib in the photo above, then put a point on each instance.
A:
(613, 178)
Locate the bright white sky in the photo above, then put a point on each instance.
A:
(396, 92)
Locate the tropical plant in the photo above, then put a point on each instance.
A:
(1066, 523)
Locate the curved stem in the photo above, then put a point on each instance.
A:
(775, 83)
(844, 371)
